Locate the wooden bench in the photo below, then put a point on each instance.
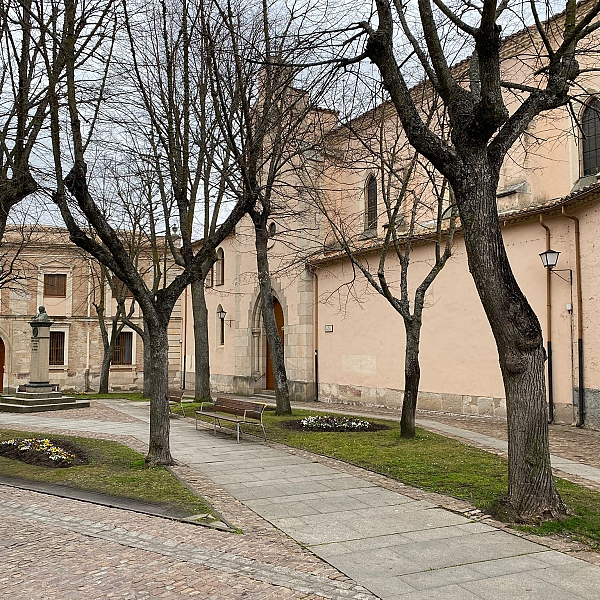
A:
(235, 411)
(176, 400)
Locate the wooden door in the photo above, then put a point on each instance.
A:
(270, 383)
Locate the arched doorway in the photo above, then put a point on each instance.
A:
(270, 380)
(2, 359)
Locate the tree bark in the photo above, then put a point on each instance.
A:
(147, 363)
(412, 377)
(106, 360)
(159, 452)
(532, 493)
(201, 347)
(282, 395)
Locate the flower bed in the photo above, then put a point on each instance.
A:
(334, 423)
(42, 452)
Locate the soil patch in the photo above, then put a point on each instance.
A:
(296, 425)
(40, 459)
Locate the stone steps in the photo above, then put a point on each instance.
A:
(28, 405)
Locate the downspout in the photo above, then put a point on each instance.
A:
(316, 329)
(549, 326)
(581, 412)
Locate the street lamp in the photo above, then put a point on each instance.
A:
(221, 314)
(549, 258)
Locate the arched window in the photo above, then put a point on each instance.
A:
(220, 267)
(590, 127)
(220, 326)
(371, 204)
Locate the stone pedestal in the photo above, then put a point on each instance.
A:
(38, 395)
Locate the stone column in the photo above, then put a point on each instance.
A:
(39, 378)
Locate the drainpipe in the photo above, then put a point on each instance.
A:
(549, 326)
(581, 412)
(316, 329)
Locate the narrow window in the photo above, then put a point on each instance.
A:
(210, 278)
(220, 267)
(123, 354)
(371, 205)
(57, 348)
(55, 285)
(220, 326)
(590, 126)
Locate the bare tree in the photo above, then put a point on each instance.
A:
(416, 206)
(267, 124)
(171, 149)
(484, 124)
(23, 100)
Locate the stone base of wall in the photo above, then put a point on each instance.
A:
(482, 406)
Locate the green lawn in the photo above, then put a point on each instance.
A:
(114, 469)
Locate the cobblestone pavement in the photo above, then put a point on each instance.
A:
(55, 548)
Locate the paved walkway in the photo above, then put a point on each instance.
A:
(391, 543)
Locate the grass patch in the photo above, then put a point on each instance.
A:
(113, 469)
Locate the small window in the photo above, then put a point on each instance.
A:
(123, 354)
(210, 278)
(220, 267)
(371, 204)
(57, 348)
(220, 326)
(120, 290)
(55, 286)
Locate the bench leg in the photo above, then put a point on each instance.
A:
(264, 432)
(238, 433)
(215, 426)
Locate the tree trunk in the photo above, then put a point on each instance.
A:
(201, 347)
(147, 363)
(282, 396)
(159, 452)
(412, 377)
(109, 349)
(532, 493)
(105, 370)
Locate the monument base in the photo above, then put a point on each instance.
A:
(39, 401)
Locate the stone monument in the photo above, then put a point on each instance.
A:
(39, 380)
(37, 395)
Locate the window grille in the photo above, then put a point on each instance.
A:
(57, 348)
(123, 353)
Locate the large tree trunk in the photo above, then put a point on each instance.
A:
(201, 347)
(518, 335)
(159, 452)
(282, 396)
(412, 377)
(147, 363)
